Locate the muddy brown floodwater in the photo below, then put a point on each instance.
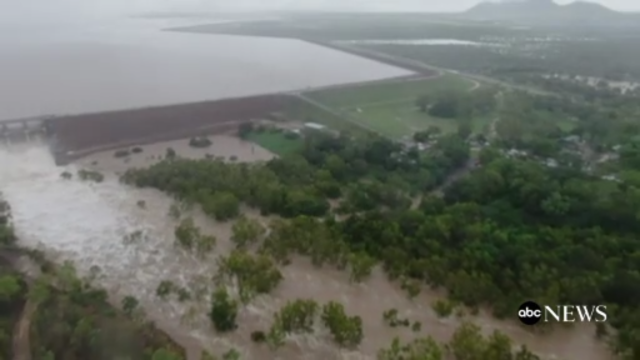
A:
(87, 223)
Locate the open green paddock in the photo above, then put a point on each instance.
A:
(389, 107)
(353, 96)
(299, 110)
(275, 141)
(403, 118)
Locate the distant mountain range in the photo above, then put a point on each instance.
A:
(548, 12)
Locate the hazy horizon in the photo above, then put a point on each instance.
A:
(47, 9)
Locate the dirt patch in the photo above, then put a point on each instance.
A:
(21, 343)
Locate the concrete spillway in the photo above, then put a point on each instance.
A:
(79, 135)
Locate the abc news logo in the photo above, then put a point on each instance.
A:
(531, 313)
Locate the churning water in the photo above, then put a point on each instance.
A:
(80, 221)
(94, 226)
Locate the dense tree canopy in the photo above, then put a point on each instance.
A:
(508, 231)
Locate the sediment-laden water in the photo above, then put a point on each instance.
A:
(89, 223)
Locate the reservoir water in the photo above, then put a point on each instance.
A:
(109, 63)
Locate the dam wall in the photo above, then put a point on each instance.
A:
(80, 135)
(404, 63)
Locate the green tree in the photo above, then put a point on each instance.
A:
(164, 354)
(190, 237)
(275, 336)
(246, 231)
(499, 347)
(418, 349)
(206, 244)
(129, 305)
(222, 205)
(170, 154)
(467, 342)
(444, 308)
(224, 311)
(361, 265)
(232, 354)
(297, 316)
(346, 331)
(165, 288)
(9, 288)
(464, 129)
(422, 102)
(187, 233)
(174, 211)
(254, 274)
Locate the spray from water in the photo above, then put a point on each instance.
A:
(91, 225)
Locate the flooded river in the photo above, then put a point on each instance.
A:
(108, 63)
(89, 223)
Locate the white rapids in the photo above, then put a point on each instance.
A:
(86, 223)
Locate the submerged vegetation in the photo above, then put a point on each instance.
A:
(495, 196)
(510, 230)
(200, 142)
(87, 175)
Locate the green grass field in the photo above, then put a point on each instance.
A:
(353, 96)
(276, 142)
(390, 109)
(305, 112)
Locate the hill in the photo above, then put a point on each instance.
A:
(548, 12)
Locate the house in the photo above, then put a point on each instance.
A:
(610, 178)
(314, 126)
(553, 163)
(572, 139)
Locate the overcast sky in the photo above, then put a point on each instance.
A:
(102, 6)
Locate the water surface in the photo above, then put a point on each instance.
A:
(114, 63)
(419, 42)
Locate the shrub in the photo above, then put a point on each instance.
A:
(224, 311)
(443, 308)
(258, 336)
(291, 135)
(122, 153)
(200, 142)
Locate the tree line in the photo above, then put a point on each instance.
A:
(511, 230)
